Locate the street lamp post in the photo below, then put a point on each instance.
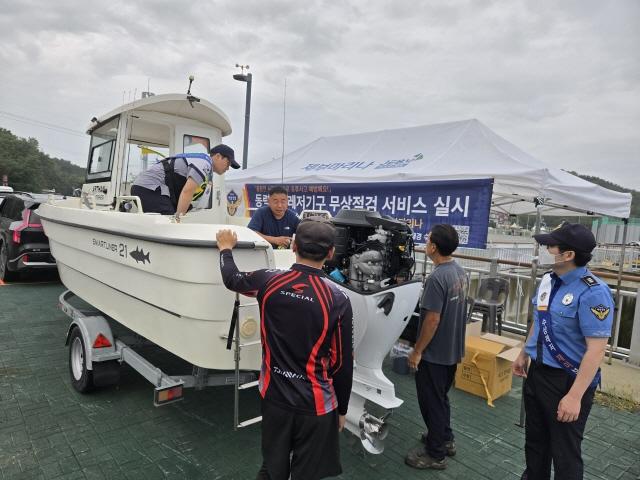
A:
(242, 77)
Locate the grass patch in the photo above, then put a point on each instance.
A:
(621, 403)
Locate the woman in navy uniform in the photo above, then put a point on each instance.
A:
(573, 313)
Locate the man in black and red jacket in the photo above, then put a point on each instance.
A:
(306, 327)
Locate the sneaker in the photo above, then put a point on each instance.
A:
(420, 459)
(450, 447)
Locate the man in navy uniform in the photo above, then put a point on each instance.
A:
(573, 313)
(275, 222)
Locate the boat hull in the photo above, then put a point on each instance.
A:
(164, 284)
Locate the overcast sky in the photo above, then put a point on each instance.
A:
(560, 79)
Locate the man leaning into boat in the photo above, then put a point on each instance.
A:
(307, 355)
(169, 186)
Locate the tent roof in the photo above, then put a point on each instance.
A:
(447, 151)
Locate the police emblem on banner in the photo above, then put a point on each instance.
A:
(600, 311)
(233, 202)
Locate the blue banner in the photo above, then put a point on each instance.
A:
(465, 204)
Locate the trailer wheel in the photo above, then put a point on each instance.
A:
(81, 377)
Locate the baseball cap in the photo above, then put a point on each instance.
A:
(315, 235)
(573, 235)
(225, 151)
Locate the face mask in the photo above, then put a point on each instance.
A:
(546, 259)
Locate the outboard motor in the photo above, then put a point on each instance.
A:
(372, 252)
(374, 262)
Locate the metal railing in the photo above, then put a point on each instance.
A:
(514, 264)
(603, 257)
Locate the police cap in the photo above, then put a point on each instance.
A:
(573, 235)
(227, 152)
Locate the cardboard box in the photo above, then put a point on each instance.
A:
(485, 369)
(473, 329)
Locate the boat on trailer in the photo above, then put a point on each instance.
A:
(161, 278)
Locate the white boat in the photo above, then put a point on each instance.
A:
(157, 277)
(161, 279)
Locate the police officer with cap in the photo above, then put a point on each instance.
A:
(169, 186)
(573, 314)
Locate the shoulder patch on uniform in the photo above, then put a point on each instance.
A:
(600, 311)
(589, 280)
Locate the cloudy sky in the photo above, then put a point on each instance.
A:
(560, 79)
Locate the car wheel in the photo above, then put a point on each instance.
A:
(5, 274)
(81, 377)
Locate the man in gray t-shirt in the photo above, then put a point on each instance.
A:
(439, 347)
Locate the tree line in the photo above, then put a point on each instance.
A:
(30, 170)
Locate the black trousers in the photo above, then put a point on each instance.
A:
(153, 201)
(433, 382)
(546, 439)
(303, 446)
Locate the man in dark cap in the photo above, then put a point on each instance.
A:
(169, 186)
(573, 313)
(307, 355)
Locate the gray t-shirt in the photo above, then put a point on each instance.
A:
(153, 177)
(446, 292)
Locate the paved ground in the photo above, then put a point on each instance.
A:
(47, 430)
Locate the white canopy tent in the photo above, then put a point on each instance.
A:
(447, 151)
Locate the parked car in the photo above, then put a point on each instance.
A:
(23, 244)
(4, 191)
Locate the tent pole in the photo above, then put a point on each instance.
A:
(618, 309)
(534, 274)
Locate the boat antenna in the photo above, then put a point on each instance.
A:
(284, 119)
(190, 97)
(191, 79)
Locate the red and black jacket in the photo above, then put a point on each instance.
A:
(306, 327)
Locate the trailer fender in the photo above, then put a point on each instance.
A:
(91, 329)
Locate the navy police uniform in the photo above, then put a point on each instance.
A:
(567, 309)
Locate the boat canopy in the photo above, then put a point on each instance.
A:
(173, 104)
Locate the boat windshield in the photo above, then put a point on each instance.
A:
(103, 140)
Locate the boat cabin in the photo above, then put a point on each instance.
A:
(125, 141)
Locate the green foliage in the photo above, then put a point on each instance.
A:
(31, 170)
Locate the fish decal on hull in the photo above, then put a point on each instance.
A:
(139, 256)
